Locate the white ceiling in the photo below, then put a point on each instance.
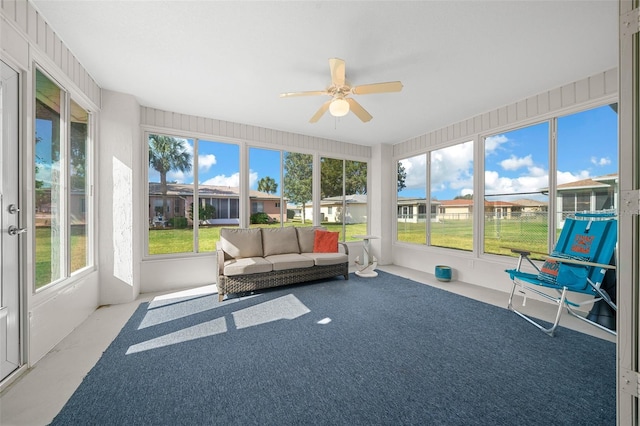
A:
(231, 60)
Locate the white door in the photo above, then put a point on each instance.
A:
(11, 232)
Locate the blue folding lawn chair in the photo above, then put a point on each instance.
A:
(582, 262)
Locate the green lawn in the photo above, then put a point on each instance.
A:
(44, 251)
(499, 235)
(456, 234)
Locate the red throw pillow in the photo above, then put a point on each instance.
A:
(325, 242)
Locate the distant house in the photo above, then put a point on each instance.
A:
(593, 194)
(415, 209)
(332, 209)
(224, 199)
(462, 209)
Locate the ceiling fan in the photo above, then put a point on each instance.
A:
(340, 104)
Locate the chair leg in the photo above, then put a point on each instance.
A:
(551, 330)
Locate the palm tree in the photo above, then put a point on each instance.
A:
(267, 184)
(167, 154)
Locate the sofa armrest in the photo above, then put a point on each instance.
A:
(344, 246)
(219, 263)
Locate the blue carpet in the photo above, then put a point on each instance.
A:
(386, 350)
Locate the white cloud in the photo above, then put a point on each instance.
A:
(492, 143)
(515, 163)
(604, 161)
(416, 169)
(206, 161)
(566, 177)
(452, 167)
(223, 180)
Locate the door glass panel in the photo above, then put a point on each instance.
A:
(49, 257)
(78, 183)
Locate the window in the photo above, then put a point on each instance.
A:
(343, 204)
(170, 183)
(298, 188)
(587, 164)
(62, 176)
(265, 186)
(451, 183)
(516, 182)
(184, 173)
(412, 197)
(448, 221)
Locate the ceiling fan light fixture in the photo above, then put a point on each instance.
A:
(339, 107)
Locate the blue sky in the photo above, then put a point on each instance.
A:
(517, 162)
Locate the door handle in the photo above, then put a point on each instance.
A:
(14, 230)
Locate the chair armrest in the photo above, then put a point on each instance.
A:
(344, 246)
(581, 262)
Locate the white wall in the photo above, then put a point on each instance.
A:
(120, 198)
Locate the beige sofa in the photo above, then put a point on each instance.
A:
(256, 258)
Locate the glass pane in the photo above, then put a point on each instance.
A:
(587, 161)
(49, 198)
(265, 188)
(170, 190)
(412, 199)
(78, 184)
(218, 191)
(516, 186)
(332, 194)
(452, 197)
(298, 180)
(355, 217)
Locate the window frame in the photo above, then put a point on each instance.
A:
(88, 205)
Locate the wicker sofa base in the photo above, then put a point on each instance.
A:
(252, 282)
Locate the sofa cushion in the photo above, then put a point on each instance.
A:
(279, 241)
(247, 265)
(281, 262)
(322, 259)
(306, 236)
(325, 242)
(241, 242)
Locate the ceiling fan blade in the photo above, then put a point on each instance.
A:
(357, 109)
(310, 93)
(320, 112)
(337, 68)
(391, 86)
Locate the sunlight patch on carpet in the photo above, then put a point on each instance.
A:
(209, 328)
(285, 307)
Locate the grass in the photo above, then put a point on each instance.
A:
(455, 234)
(44, 250)
(499, 235)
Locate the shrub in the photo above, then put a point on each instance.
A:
(290, 214)
(178, 222)
(260, 218)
